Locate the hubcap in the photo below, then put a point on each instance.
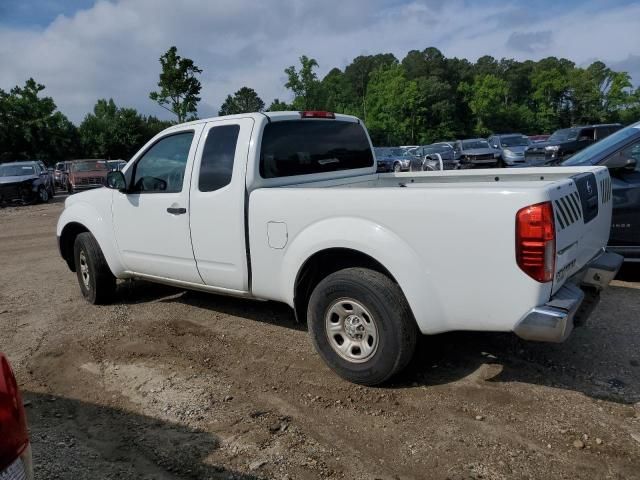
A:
(84, 270)
(44, 195)
(351, 330)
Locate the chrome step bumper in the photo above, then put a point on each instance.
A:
(554, 321)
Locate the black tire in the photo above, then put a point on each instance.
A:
(397, 167)
(100, 285)
(385, 303)
(43, 195)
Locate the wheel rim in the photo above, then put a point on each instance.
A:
(396, 168)
(84, 270)
(351, 330)
(44, 195)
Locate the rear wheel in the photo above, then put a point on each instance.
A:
(361, 325)
(96, 281)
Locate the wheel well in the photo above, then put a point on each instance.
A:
(67, 240)
(324, 263)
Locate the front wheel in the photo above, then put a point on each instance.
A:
(43, 195)
(361, 325)
(97, 283)
(397, 167)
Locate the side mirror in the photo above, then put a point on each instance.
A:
(621, 162)
(116, 181)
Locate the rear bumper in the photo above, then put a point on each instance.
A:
(572, 304)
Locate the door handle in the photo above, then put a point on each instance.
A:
(176, 210)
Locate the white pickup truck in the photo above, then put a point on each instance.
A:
(288, 207)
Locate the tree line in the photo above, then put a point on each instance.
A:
(422, 98)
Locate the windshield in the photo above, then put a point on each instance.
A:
(389, 152)
(428, 150)
(515, 141)
(591, 154)
(16, 170)
(473, 144)
(564, 135)
(88, 166)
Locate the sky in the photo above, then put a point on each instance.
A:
(83, 50)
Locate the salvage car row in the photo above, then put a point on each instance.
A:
(30, 181)
(499, 150)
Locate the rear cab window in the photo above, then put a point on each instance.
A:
(305, 147)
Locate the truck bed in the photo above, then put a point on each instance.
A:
(450, 236)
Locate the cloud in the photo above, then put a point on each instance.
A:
(530, 42)
(112, 48)
(631, 65)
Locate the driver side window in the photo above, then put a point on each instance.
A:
(161, 168)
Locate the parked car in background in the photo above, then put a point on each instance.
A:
(15, 449)
(477, 153)
(392, 159)
(86, 174)
(25, 182)
(60, 174)
(538, 138)
(428, 157)
(620, 152)
(566, 142)
(116, 165)
(512, 147)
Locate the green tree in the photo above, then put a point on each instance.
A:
(111, 132)
(278, 106)
(179, 87)
(336, 94)
(549, 93)
(357, 76)
(31, 126)
(395, 105)
(245, 100)
(489, 101)
(304, 84)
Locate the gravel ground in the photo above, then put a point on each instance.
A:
(168, 384)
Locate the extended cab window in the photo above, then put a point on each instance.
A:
(219, 151)
(313, 146)
(161, 168)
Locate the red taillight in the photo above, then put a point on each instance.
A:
(14, 437)
(317, 114)
(536, 241)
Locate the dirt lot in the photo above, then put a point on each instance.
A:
(167, 384)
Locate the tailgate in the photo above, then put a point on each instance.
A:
(582, 210)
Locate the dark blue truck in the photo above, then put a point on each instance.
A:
(620, 152)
